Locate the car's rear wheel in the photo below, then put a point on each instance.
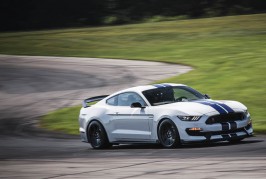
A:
(168, 134)
(97, 135)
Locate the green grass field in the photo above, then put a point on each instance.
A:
(228, 54)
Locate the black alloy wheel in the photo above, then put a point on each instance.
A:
(97, 136)
(168, 134)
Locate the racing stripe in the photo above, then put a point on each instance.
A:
(233, 125)
(229, 125)
(225, 126)
(166, 85)
(218, 104)
(230, 110)
(222, 105)
(218, 108)
(159, 85)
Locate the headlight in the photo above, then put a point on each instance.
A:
(189, 118)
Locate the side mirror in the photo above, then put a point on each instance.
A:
(137, 105)
(207, 96)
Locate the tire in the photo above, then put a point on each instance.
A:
(168, 134)
(97, 135)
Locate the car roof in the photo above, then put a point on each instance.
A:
(140, 89)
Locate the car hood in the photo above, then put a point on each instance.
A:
(201, 107)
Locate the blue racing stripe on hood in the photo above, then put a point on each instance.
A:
(214, 106)
(224, 106)
(230, 110)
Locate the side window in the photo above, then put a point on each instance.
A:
(112, 101)
(126, 99)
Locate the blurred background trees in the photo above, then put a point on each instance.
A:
(43, 14)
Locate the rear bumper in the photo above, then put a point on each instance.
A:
(83, 135)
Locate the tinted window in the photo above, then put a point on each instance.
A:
(112, 101)
(126, 99)
(165, 95)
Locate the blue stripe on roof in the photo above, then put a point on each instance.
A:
(167, 85)
(159, 85)
(162, 85)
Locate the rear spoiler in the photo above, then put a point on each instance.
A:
(92, 99)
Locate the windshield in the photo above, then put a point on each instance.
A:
(171, 94)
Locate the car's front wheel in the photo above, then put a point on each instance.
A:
(168, 134)
(97, 135)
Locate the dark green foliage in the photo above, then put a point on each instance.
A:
(40, 14)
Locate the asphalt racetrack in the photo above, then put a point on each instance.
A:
(33, 86)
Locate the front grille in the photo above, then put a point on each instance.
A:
(230, 117)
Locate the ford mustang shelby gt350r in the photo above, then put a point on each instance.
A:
(169, 114)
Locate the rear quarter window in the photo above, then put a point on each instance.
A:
(112, 101)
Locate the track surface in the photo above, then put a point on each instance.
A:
(31, 86)
(37, 157)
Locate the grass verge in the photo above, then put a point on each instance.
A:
(64, 120)
(228, 54)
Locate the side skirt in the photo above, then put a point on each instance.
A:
(134, 142)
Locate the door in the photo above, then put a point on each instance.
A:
(130, 124)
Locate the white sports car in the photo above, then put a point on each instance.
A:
(169, 114)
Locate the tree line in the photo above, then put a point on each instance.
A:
(43, 14)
